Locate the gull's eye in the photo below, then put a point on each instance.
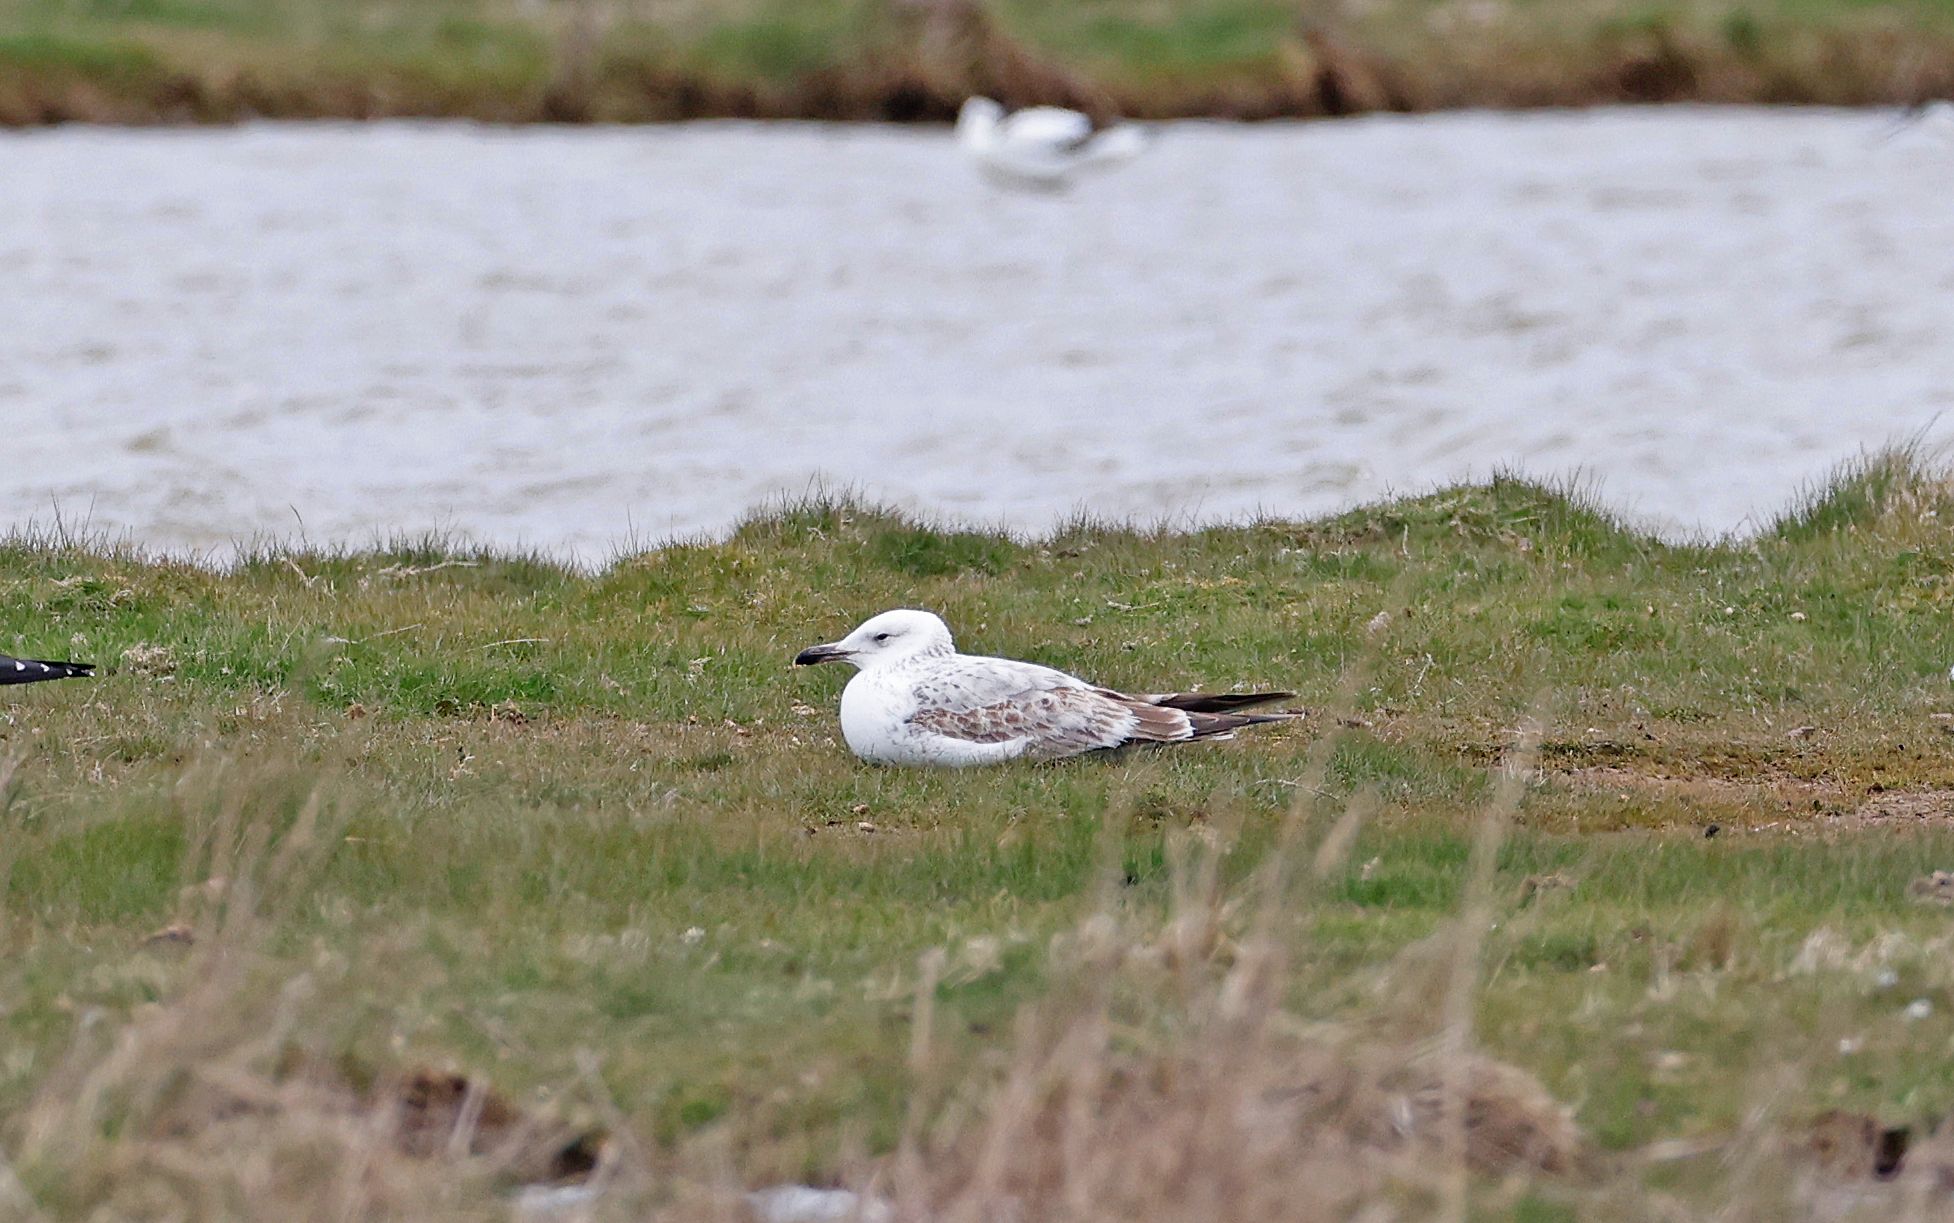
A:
(881, 636)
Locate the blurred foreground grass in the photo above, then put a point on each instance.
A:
(589, 838)
(517, 60)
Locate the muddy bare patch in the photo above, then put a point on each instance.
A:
(1907, 808)
(1770, 799)
(1764, 797)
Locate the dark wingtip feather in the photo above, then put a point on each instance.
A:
(34, 670)
(1217, 702)
(1213, 725)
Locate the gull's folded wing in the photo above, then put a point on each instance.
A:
(1047, 125)
(996, 700)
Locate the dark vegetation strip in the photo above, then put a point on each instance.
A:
(190, 61)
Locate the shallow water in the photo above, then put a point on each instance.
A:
(577, 338)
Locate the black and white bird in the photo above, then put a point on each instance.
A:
(33, 670)
(915, 701)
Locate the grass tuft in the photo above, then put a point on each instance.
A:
(1865, 493)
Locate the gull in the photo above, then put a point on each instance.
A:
(33, 670)
(914, 700)
(803, 1204)
(1041, 146)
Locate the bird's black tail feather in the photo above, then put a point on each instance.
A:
(1223, 725)
(33, 670)
(1215, 702)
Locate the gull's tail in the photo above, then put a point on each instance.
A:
(1214, 715)
(1113, 145)
(1177, 717)
(1220, 702)
(1224, 725)
(33, 670)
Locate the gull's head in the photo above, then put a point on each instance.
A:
(977, 120)
(890, 637)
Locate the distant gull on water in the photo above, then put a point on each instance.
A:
(1934, 119)
(1042, 146)
(915, 700)
(33, 671)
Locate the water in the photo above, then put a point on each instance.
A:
(577, 338)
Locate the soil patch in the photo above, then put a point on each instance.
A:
(1771, 798)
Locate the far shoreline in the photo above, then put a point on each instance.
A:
(913, 63)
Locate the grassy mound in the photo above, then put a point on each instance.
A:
(383, 883)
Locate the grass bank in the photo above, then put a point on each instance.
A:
(624, 60)
(1598, 883)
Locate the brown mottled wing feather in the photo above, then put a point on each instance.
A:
(1055, 722)
(1153, 723)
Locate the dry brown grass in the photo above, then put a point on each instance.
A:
(1242, 1113)
(1167, 1077)
(1222, 1104)
(1168, 1080)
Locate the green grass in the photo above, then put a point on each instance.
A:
(172, 60)
(591, 836)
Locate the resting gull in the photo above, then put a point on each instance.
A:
(1041, 146)
(915, 700)
(33, 671)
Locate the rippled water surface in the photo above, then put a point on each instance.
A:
(574, 338)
